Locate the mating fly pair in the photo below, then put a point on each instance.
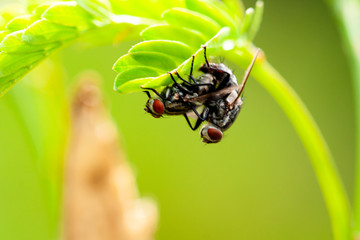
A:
(216, 90)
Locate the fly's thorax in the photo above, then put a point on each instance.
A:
(176, 107)
(206, 78)
(220, 71)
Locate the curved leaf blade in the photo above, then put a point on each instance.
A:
(172, 48)
(12, 43)
(100, 9)
(214, 10)
(214, 46)
(154, 60)
(136, 81)
(139, 73)
(10, 63)
(44, 32)
(174, 33)
(68, 14)
(192, 20)
(7, 82)
(20, 22)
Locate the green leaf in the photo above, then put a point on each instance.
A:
(40, 9)
(44, 32)
(157, 61)
(256, 22)
(147, 9)
(140, 73)
(235, 8)
(246, 24)
(7, 82)
(20, 23)
(3, 34)
(154, 76)
(214, 47)
(100, 9)
(214, 10)
(10, 63)
(68, 14)
(164, 31)
(172, 48)
(12, 43)
(192, 20)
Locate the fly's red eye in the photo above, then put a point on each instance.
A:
(214, 134)
(211, 134)
(158, 106)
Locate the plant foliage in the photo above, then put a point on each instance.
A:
(169, 46)
(174, 31)
(28, 39)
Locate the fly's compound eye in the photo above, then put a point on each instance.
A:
(211, 134)
(155, 107)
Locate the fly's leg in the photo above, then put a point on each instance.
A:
(191, 70)
(194, 110)
(206, 60)
(147, 94)
(151, 89)
(179, 86)
(192, 84)
(197, 124)
(199, 120)
(200, 116)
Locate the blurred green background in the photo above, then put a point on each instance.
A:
(256, 184)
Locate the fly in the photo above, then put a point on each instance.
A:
(217, 90)
(221, 107)
(170, 101)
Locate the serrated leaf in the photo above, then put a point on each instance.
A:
(11, 63)
(40, 9)
(132, 82)
(12, 43)
(44, 32)
(172, 48)
(134, 73)
(7, 82)
(147, 9)
(214, 46)
(236, 8)
(214, 10)
(101, 9)
(20, 23)
(3, 34)
(164, 31)
(130, 86)
(192, 20)
(157, 61)
(68, 14)
(112, 34)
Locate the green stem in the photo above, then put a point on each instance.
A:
(322, 161)
(347, 13)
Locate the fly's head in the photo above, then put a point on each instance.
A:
(211, 134)
(155, 107)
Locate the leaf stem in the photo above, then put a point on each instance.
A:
(310, 135)
(347, 13)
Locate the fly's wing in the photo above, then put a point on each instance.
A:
(213, 96)
(192, 114)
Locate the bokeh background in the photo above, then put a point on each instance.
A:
(256, 184)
